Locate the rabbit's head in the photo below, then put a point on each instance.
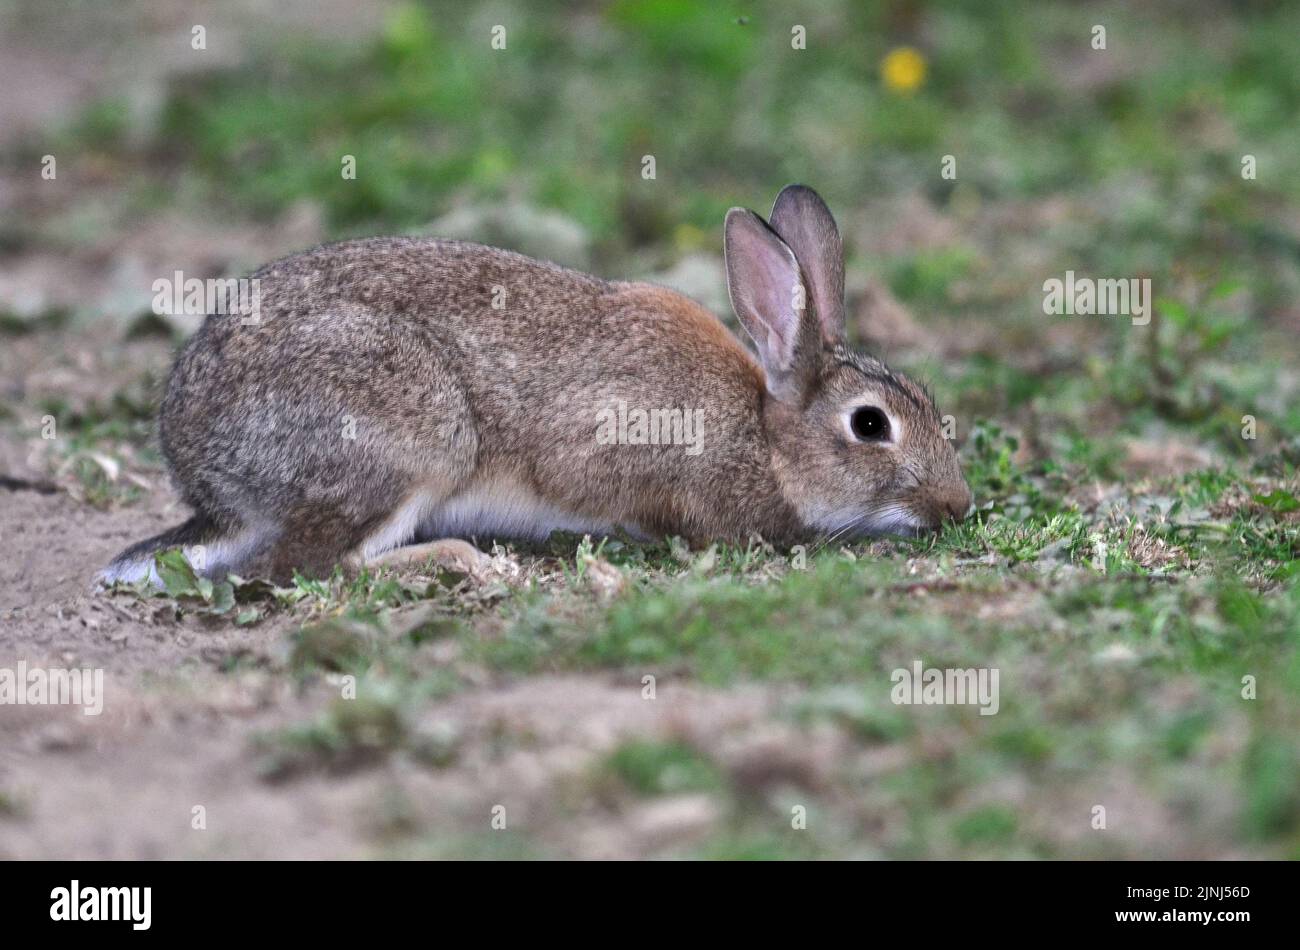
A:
(858, 448)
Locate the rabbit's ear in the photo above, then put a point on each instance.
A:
(806, 226)
(767, 294)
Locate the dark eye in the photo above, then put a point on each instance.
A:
(870, 424)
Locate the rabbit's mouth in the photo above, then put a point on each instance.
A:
(894, 519)
(888, 518)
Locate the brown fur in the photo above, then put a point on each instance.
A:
(397, 341)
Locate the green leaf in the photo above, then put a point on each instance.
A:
(178, 577)
(223, 598)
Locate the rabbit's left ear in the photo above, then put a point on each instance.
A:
(805, 224)
(768, 296)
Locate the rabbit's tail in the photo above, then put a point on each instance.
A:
(195, 537)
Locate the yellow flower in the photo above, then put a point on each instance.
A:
(688, 237)
(903, 70)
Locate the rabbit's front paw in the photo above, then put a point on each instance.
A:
(450, 553)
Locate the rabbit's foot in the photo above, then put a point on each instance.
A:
(450, 553)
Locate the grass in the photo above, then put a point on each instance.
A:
(1111, 666)
(661, 768)
(1125, 635)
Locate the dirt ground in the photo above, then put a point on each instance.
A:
(178, 729)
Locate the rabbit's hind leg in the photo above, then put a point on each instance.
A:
(311, 539)
(210, 547)
(314, 538)
(341, 464)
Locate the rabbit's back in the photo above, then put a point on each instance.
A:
(375, 362)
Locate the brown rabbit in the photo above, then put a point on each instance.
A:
(396, 390)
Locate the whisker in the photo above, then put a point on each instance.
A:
(837, 532)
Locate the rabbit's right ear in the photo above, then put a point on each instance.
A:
(807, 227)
(768, 296)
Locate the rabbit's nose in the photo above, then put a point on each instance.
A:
(955, 504)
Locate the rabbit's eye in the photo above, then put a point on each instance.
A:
(869, 424)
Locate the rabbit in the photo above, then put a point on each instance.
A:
(398, 390)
